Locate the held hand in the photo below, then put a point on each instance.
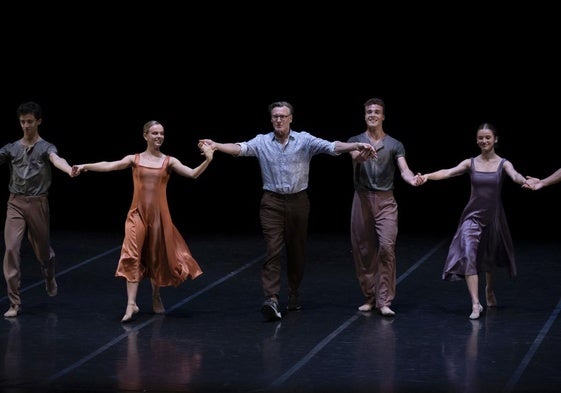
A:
(420, 179)
(76, 170)
(206, 150)
(367, 151)
(208, 142)
(532, 183)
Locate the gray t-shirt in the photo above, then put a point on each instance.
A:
(30, 167)
(377, 174)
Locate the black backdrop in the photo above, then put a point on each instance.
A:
(101, 73)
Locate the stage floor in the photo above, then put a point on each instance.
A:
(213, 337)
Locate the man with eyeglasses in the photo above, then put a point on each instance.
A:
(284, 157)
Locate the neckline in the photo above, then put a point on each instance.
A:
(152, 167)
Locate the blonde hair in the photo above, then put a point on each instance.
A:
(149, 125)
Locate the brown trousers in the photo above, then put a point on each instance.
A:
(23, 213)
(373, 238)
(284, 221)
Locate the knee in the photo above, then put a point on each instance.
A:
(387, 252)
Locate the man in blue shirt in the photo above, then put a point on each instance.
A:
(284, 158)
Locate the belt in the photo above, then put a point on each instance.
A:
(285, 196)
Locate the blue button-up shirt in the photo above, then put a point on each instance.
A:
(285, 169)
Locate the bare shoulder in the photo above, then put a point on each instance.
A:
(174, 162)
(465, 164)
(507, 164)
(128, 159)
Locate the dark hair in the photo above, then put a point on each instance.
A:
(488, 126)
(375, 101)
(278, 104)
(30, 107)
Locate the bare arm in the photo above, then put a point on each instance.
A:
(233, 149)
(61, 164)
(535, 184)
(406, 174)
(186, 171)
(442, 174)
(555, 177)
(513, 174)
(359, 151)
(104, 166)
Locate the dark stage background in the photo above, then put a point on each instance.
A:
(101, 73)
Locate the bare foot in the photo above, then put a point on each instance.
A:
(157, 305)
(490, 297)
(132, 309)
(366, 307)
(386, 311)
(476, 310)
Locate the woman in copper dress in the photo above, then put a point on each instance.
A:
(482, 241)
(152, 246)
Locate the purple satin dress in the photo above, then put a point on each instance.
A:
(482, 241)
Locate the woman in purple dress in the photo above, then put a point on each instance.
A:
(482, 241)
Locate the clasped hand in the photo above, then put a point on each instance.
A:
(367, 151)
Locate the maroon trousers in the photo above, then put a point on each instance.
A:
(373, 238)
(29, 213)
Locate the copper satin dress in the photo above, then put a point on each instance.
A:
(153, 247)
(482, 241)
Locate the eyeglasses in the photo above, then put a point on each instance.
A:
(279, 117)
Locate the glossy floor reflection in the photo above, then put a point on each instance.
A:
(213, 338)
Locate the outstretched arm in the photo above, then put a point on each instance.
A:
(406, 174)
(535, 183)
(513, 174)
(555, 177)
(61, 164)
(104, 166)
(442, 174)
(229, 148)
(186, 171)
(359, 151)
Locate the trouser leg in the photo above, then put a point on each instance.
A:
(14, 230)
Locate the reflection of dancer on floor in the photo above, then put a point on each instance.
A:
(375, 336)
(12, 354)
(461, 362)
(138, 373)
(482, 241)
(153, 247)
(128, 366)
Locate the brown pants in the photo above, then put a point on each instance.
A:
(284, 220)
(373, 237)
(29, 213)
